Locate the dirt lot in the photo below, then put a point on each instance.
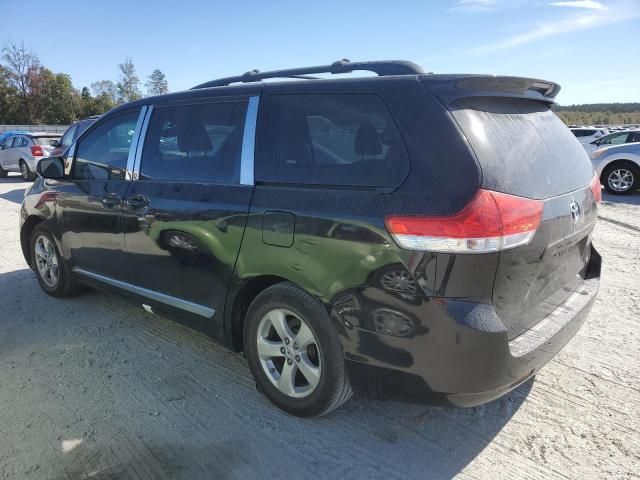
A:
(93, 387)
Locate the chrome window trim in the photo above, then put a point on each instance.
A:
(195, 308)
(249, 141)
(140, 143)
(134, 143)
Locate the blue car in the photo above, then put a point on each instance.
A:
(5, 135)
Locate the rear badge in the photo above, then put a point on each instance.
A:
(575, 211)
(147, 308)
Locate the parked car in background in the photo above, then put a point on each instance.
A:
(313, 225)
(618, 167)
(616, 138)
(70, 135)
(22, 152)
(587, 135)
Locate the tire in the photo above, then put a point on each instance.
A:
(322, 360)
(61, 286)
(25, 172)
(621, 178)
(3, 172)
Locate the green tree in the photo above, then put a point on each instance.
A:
(105, 89)
(54, 98)
(157, 83)
(21, 66)
(7, 97)
(129, 84)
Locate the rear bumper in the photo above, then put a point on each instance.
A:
(463, 356)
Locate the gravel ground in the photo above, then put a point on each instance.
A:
(93, 387)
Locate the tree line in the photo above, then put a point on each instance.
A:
(599, 113)
(30, 93)
(598, 118)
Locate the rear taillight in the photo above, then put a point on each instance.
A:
(491, 222)
(596, 189)
(36, 151)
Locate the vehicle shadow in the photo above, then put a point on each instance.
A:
(12, 179)
(631, 199)
(136, 392)
(14, 196)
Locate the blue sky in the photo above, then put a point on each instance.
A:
(589, 47)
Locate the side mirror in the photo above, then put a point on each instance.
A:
(51, 167)
(55, 143)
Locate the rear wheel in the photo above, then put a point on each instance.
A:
(3, 172)
(51, 270)
(621, 178)
(26, 173)
(294, 352)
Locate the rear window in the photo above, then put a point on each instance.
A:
(44, 141)
(329, 139)
(523, 147)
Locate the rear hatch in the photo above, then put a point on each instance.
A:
(524, 149)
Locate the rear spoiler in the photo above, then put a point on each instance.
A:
(453, 87)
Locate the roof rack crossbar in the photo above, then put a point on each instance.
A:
(381, 68)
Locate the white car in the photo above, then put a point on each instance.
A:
(588, 134)
(618, 167)
(615, 138)
(22, 152)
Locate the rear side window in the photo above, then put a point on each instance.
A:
(523, 147)
(198, 143)
(329, 139)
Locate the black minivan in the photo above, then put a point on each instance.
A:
(404, 235)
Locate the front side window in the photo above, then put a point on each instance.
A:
(67, 138)
(103, 153)
(329, 139)
(194, 143)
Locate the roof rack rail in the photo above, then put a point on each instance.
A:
(381, 68)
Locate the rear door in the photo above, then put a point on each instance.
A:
(186, 210)
(22, 150)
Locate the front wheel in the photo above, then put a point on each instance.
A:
(50, 268)
(294, 352)
(621, 178)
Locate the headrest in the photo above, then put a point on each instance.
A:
(195, 139)
(367, 140)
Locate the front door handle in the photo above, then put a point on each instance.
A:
(111, 200)
(137, 202)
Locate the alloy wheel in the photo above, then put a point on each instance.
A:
(398, 281)
(46, 261)
(620, 180)
(289, 353)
